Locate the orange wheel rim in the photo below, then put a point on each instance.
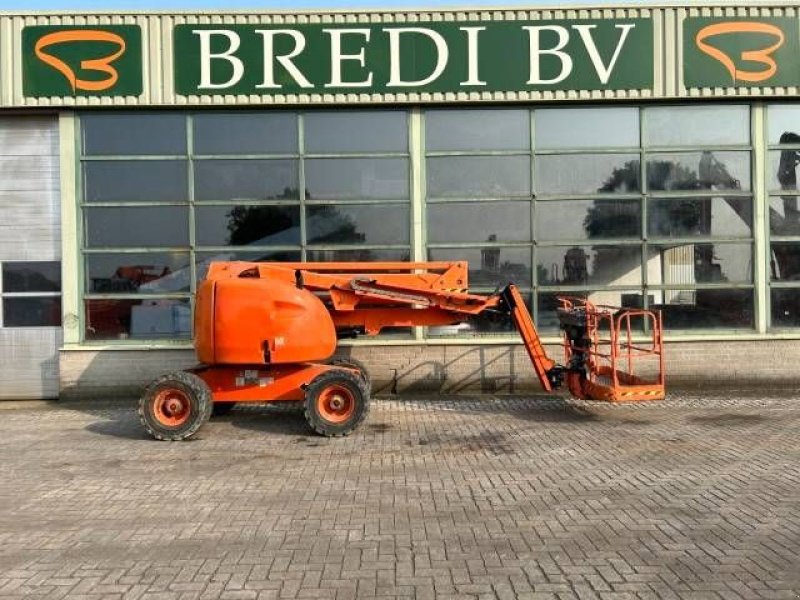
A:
(336, 404)
(172, 407)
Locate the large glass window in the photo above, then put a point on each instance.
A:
(164, 194)
(623, 205)
(478, 200)
(783, 137)
(699, 262)
(646, 206)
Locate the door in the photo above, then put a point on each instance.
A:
(30, 254)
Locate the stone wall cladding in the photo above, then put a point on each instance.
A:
(454, 369)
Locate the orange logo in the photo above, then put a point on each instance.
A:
(761, 55)
(101, 65)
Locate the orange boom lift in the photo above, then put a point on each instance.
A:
(267, 331)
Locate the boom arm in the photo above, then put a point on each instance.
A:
(280, 313)
(364, 298)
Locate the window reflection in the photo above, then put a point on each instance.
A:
(477, 130)
(44, 276)
(135, 181)
(705, 309)
(138, 273)
(360, 255)
(478, 221)
(696, 125)
(784, 261)
(478, 176)
(138, 319)
(245, 180)
(356, 178)
(244, 133)
(587, 173)
(490, 266)
(588, 219)
(341, 131)
(357, 224)
(587, 127)
(699, 171)
(589, 265)
(117, 133)
(32, 311)
(686, 264)
(139, 226)
(785, 307)
(243, 225)
(689, 217)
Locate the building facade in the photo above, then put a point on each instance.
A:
(638, 156)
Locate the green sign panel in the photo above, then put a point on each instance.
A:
(735, 51)
(93, 60)
(509, 56)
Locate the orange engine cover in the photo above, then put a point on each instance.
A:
(246, 320)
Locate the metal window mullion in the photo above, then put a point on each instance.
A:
(359, 202)
(246, 202)
(476, 245)
(644, 199)
(355, 155)
(31, 294)
(136, 204)
(416, 160)
(248, 248)
(209, 157)
(301, 183)
(374, 246)
(760, 218)
(534, 200)
(584, 197)
(475, 153)
(700, 148)
(134, 158)
(72, 128)
(588, 150)
(478, 199)
(2, 297)
(192, 220)
(142, 296)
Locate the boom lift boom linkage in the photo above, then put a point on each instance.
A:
(267, 331)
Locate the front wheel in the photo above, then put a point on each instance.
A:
(337, 401)
(175, 406)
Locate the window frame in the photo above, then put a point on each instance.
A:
(4, 294)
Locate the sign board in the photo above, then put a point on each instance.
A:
(734, 52)
(613, 54)
(101, 60)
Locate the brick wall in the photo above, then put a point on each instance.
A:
(454, 368)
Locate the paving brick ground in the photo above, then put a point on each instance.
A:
(697, 497)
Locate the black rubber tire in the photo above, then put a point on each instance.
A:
(352, 363)
(220, 409)
(359, 391)
(196, 391)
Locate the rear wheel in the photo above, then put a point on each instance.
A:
(175, 406)
(337, 401)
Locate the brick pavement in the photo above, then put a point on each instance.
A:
(697, 497)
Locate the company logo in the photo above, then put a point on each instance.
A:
(100, 65)
(760, 56)
(82, 60)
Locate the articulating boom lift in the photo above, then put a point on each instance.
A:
(267, 332)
